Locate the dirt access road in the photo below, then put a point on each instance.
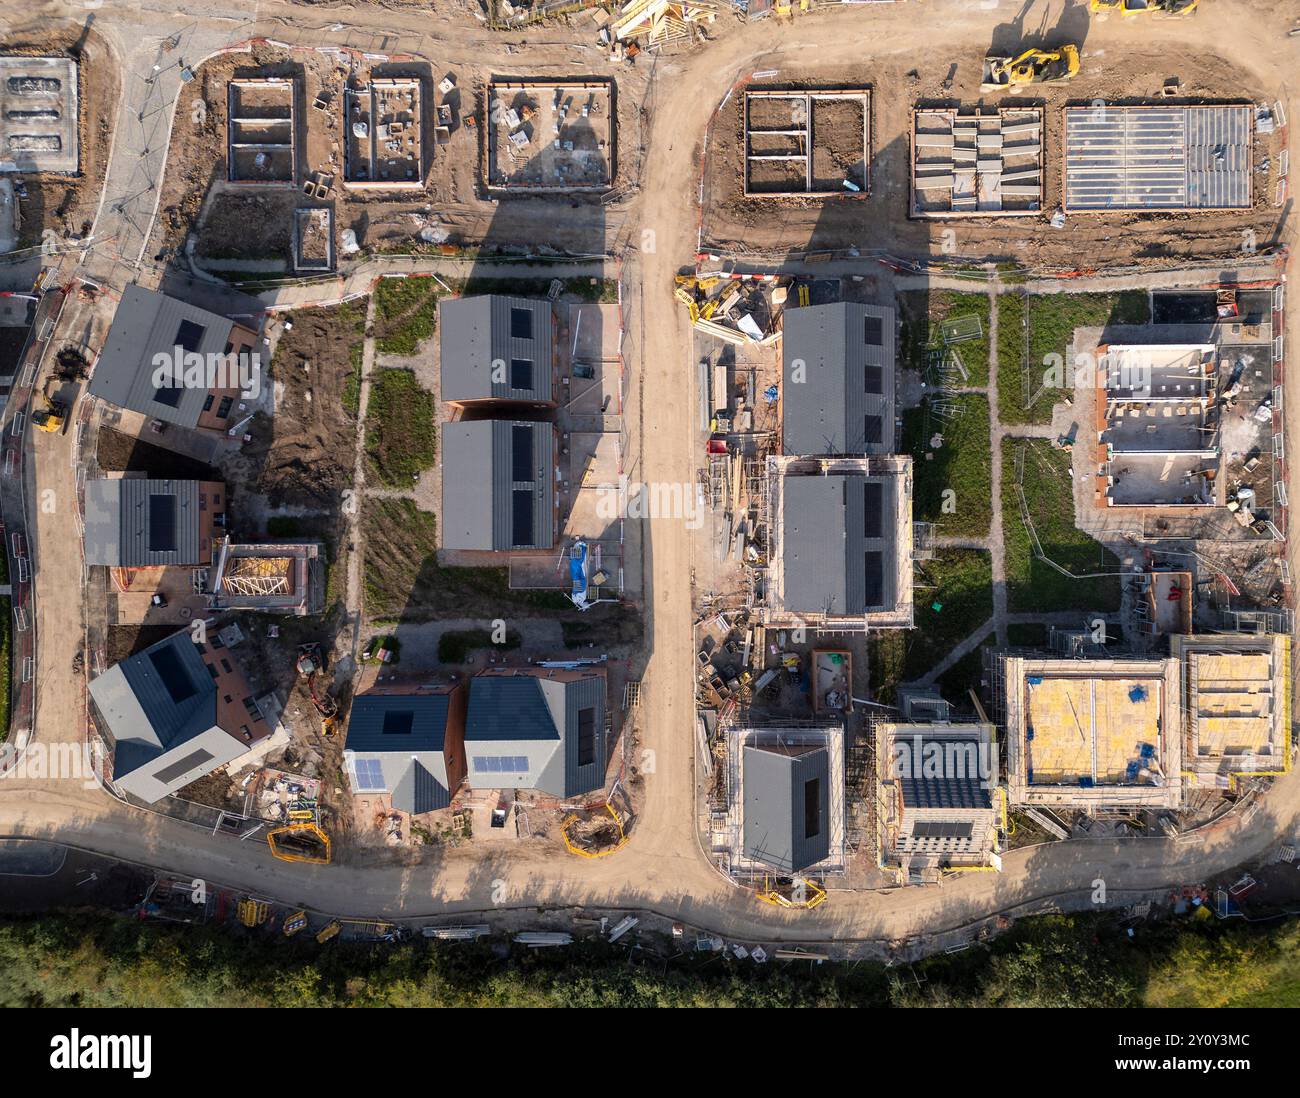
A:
(662, 869)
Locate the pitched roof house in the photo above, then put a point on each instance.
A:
(534, 728)
(132, 522)
(839, 544)
(837, 393)
(149, 324)
(176, 711)
(409, 744)
(786, 804)
(498, 485)
(496, 348)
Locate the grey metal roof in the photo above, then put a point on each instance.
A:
(371, 726)
(146, 324)
(955, 790)
(783, 827)
(479, 485)
(475, 332)
(828, 558)
(536, 721)
(154, 701)
(406, 735)
(1152, 158)
(124, 516)
(846, 379)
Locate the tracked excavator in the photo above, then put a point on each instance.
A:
(1033, 66)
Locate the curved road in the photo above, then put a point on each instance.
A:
(662, 869)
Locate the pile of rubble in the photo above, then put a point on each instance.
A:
(737, 311)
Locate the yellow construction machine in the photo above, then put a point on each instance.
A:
(1144, 7)
(1031, 67)
(51, 417)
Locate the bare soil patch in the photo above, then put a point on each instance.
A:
(775, 227)
(119, 453)
(67, 203)
(303, 455)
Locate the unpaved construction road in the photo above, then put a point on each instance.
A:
(662, 869)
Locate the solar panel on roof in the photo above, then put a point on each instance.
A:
(873, 516)
(189, 335)
(521, 525)
(173, 674)
(874, 586)
(500, 764)
(398, 722)
(521, 450)
(162, 524)
(370, 774)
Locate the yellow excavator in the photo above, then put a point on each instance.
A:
(53, 415)
(1031, 67)
(1144, 7)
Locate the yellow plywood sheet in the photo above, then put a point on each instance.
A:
(1077, 720)
(1232, 735)
(1219, 671)
(1228, 704)
(1060, 716)
(1124, 725)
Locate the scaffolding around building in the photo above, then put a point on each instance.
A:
(728, 825)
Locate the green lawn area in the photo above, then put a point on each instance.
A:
(403, 578)
(455, 645)
(960, 581)
(1052, 321)
(401, 439)
(962, 464)
(406, 313)
(965, 674)
(1027, 635)
(1032, 584)
(924, 310)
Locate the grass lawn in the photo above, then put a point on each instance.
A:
(965, 674)
(1032, 584)
(401, 439)
(963, 464)
(455, 645)
(403, 579)
(1030, 635)
(1052, 321)
(924, 310)
(406, 313)
(961, 582)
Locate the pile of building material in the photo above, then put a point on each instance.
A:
(735, 311)
(662, 21)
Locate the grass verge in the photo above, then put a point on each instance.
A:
(1049, 494)
(962, 465)
(1052, 319)
(960, 583)
(925, 310)
(401, 439)
(455, 645)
